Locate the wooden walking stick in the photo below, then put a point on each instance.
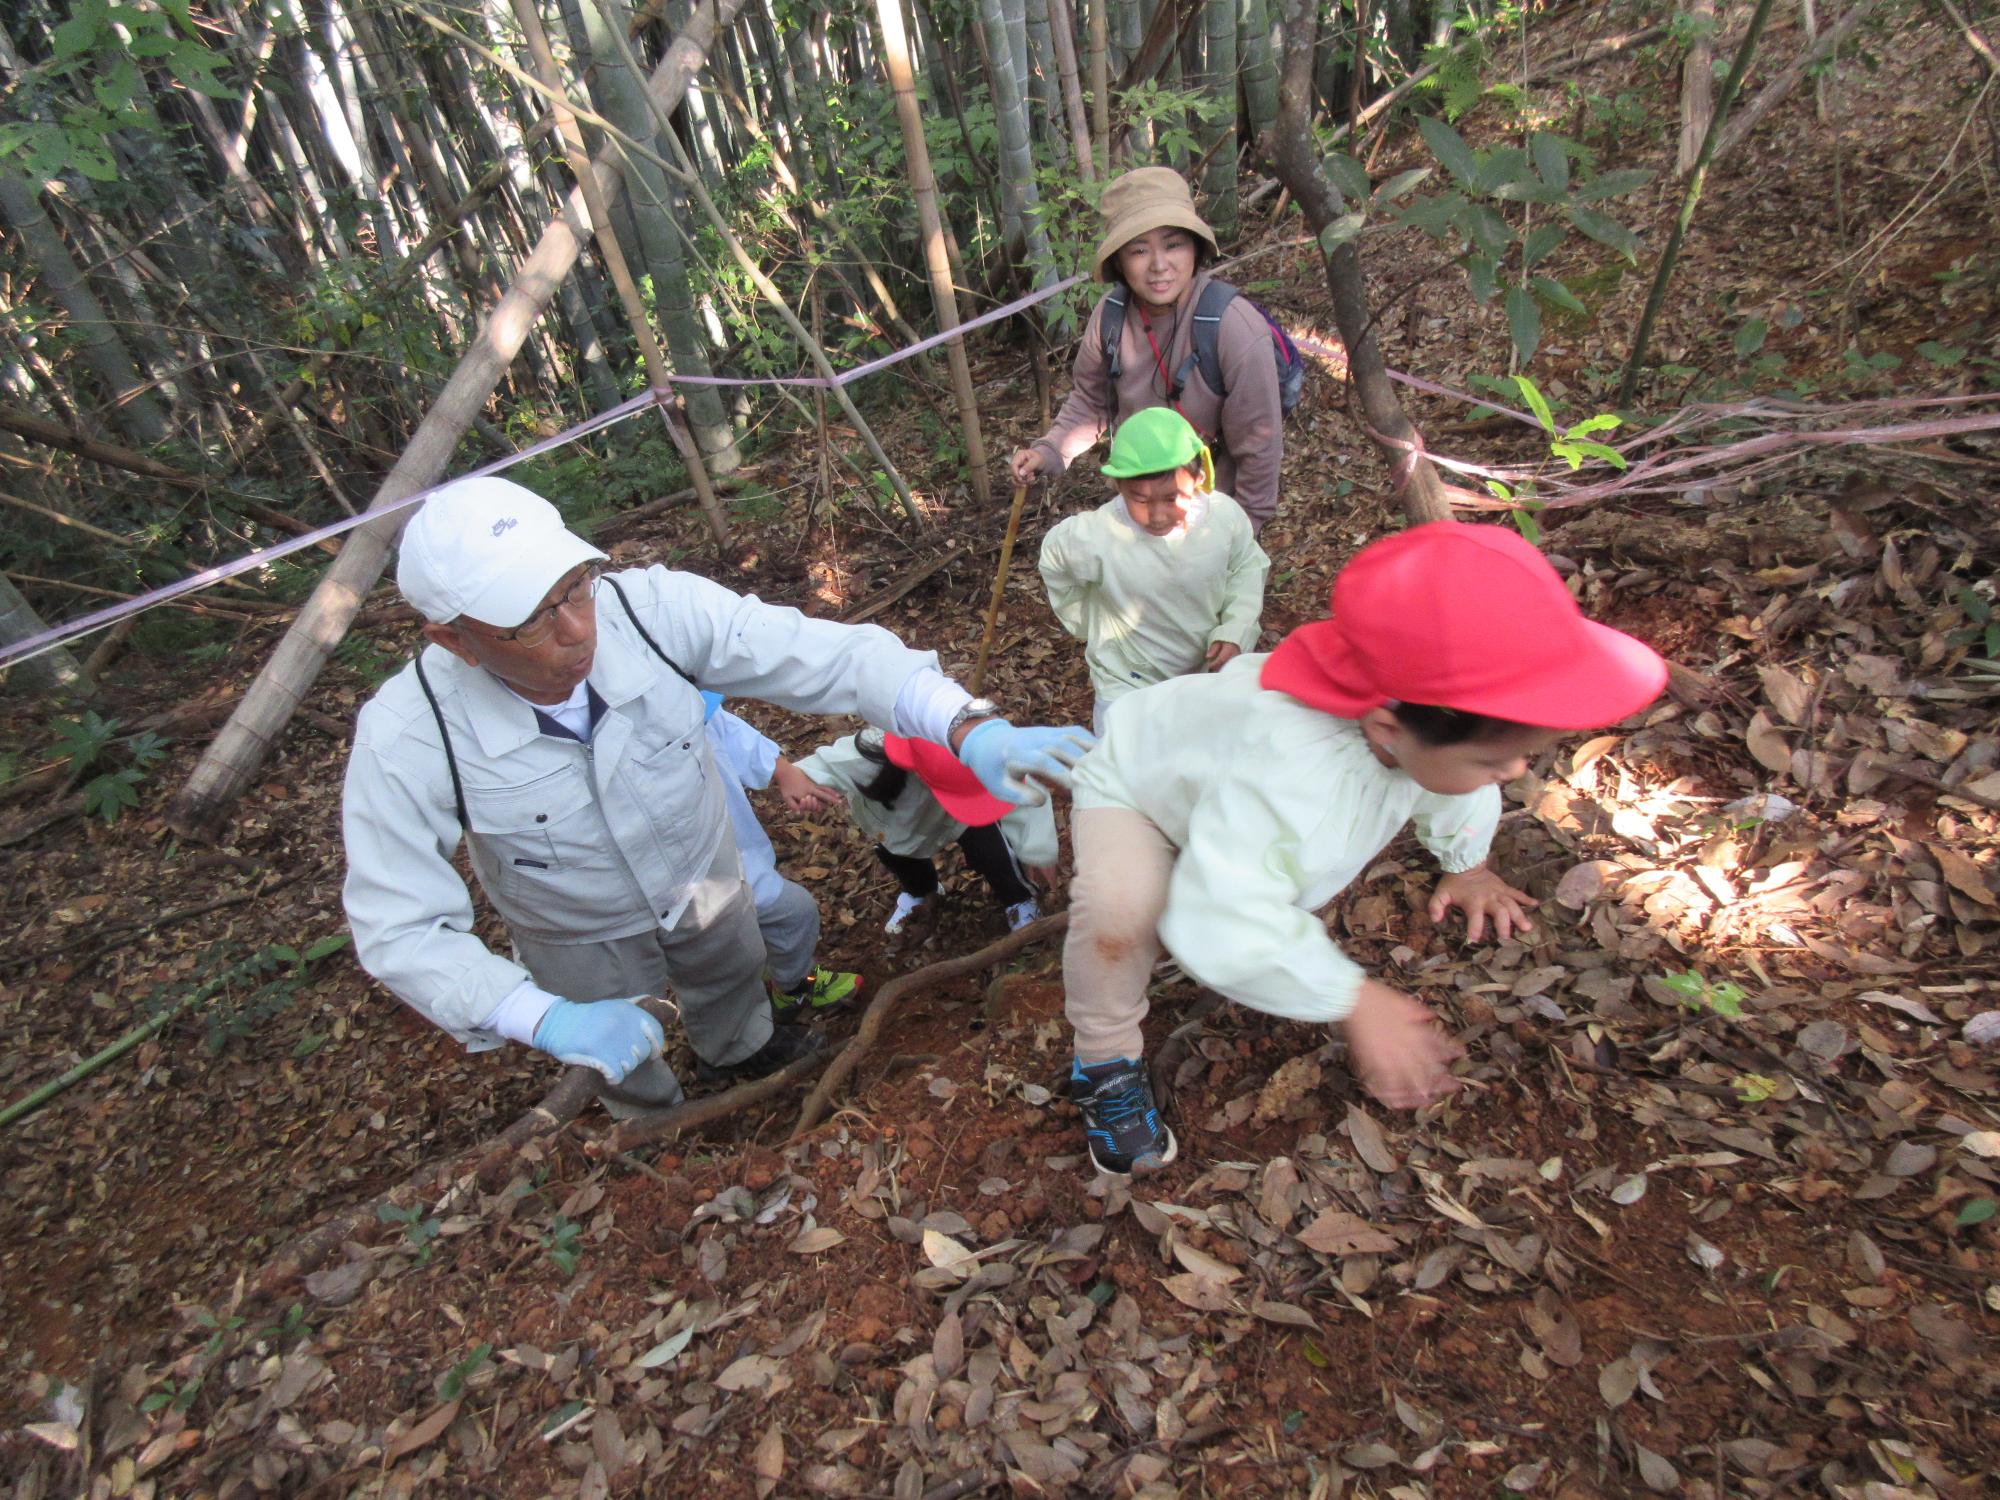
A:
(999, 587)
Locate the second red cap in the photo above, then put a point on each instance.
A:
(1465, 617)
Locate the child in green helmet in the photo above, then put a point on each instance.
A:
(1164, 579)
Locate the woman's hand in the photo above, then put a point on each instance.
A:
(1397, 1049)
(801, 793)
(1221, 653)
(1026, 465)
(1480, 894)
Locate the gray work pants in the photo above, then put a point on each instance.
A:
(790, 925)
(712, 960)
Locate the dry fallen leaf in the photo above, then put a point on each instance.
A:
(1202, 1293)
(769, 1460)
(1369, 1142)
(813, 1241)
(1338, 1232)
(424, 1433)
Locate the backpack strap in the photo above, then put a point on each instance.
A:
(1111, 333)
(646, 635)
(1204, 349)
(450, 759)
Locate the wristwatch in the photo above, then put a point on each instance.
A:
(975, 708)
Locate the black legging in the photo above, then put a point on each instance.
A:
(985, 850)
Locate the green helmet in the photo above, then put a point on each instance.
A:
(1156, 440)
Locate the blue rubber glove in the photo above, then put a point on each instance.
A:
(612, 1036)
(1004, 757)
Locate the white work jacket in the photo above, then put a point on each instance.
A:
(573, 842)
(1274, 808)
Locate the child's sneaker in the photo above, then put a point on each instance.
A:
(1021, 913)
(906, 904)
(821, 990)
(1121, 1127)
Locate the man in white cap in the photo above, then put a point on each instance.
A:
(555, 723)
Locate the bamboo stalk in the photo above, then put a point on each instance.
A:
(657, 373)
(1697, 180)
(944, 301)
(683, 172)
(999, 588)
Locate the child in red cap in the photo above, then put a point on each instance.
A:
(1220, 812)
(914, 797)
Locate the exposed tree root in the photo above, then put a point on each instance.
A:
(652, 1126)
(891, 994)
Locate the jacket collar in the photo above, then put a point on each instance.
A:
(503, 722)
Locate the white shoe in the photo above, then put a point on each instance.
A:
(1021, 914)
(906, 904)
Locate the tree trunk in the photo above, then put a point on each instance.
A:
(656, 204)
(1062, 35)
(1697, 84)
(615, 263)
(1656, 294)
(229, 764)
(38, 674)
(1100, 85)
(1045, 106)
(133, 408)
(1295, 156)
(896, 58)
(1260, 68)
(1020, 201)
(1219, 141)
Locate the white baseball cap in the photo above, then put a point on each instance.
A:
(487, 549)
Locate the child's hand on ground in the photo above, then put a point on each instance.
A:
(801, 793)
(1026, 466)
(1480, 894)
(1397, 1050)
(1221, 653)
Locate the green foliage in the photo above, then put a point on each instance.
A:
(67, 108)
(420, 1230)
(261, 985)
(1470, 215)
(1572, 444)
(366, 660)
(84, 742)
(451, 1384)
(563, 1243)
(1976, 1211)
(1722, 997)
(1985, 627)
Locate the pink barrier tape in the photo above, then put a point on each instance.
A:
(876, 366)
(111, 614)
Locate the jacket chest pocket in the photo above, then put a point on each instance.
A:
(532, 834)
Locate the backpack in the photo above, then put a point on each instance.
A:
(1203, 353)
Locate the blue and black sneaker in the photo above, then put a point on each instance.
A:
(1120, 1124)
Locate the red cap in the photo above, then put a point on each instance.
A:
(950, 780)
(1464, 617)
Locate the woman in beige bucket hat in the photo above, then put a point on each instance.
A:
(1154, 253)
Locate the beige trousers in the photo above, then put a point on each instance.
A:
(1123, 863)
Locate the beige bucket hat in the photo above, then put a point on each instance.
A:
(1143, 199)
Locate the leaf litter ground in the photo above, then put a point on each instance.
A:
(1711, 1215)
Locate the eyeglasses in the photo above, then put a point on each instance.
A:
(540, 625)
